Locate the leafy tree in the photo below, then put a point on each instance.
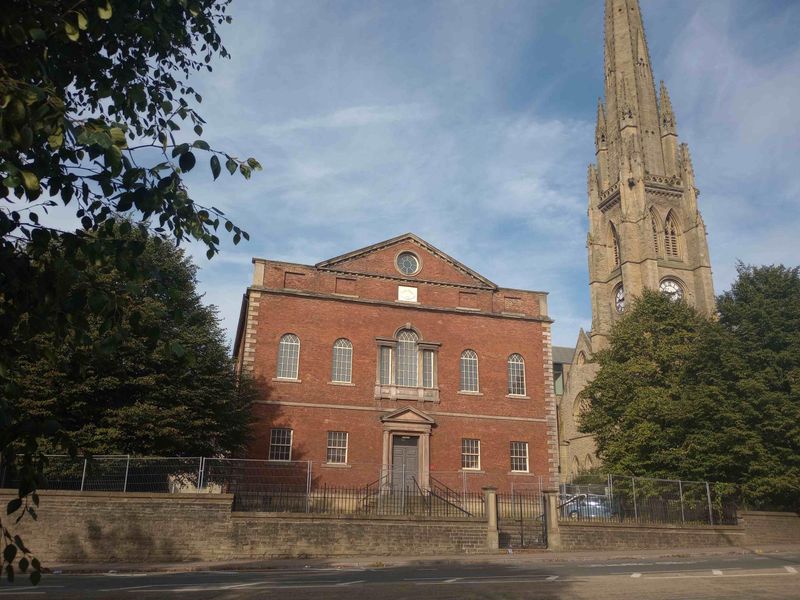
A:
(94, 105)
(173, 395)
(761, 312)
(664, 402)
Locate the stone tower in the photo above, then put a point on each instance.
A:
(645, 230)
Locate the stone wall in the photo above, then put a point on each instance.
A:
(137, 527)
(628, 536)
(263, 535)
(770, 527)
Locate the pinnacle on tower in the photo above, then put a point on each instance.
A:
(666, 114)
(600, 128)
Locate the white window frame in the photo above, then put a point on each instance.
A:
(280, 443)
(409, 368)
(518, 361)
(288, 360)
(465, 453)
(470, 357)
(516, 455)
(332, 446)
(342, 361)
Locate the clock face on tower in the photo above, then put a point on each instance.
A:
(671, 289)
(619, 299)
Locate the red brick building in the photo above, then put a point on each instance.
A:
(398, 359)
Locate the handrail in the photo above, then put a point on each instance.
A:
(452, 493)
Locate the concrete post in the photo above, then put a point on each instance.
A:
(551, 516)
(492, 535)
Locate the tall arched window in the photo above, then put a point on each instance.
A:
(342, 369)
(671, 248)
(407, 359)
(516, 375)
(655, 228)
(288, 356)
(469, 371)
(615, 245)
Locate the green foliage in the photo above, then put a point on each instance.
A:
(681, 396)
(762, 313)
(94, 109)
(127, 391)
(663, 402)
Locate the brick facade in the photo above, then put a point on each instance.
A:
(358, 297)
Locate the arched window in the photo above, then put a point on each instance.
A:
(407, 359)
(469, 371)
(288, 356)
(671, 248)
(342, 369)
(615, 245)
(581, 358)
(655, 228)
(588, 463)
(516, 375)
(576, 466)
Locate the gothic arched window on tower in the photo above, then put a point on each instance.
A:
(615, 245)
(655, 228)
(671, 247)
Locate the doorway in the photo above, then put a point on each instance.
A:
(405, 461)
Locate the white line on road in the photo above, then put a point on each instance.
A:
(351, 582)
(452, 580)
(552, 578)
(790, 569)
(636, 575)
(716, 571)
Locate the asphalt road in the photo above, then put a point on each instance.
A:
(751, 577)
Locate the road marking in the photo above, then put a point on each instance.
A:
(351, 582)
(636, 575)
(552, 578)
(790, 569)
(716, 571)
(453, 580)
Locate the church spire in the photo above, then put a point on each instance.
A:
(631, 104)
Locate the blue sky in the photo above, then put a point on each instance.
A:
(471, 123)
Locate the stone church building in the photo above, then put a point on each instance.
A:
(645, 228)
(397, 362)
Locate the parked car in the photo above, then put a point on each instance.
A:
(587, 506)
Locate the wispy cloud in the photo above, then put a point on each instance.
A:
(471, 124)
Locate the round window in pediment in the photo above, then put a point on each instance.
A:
(407, 263)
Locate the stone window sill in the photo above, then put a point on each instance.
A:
(476, 471)
(336, 466)
(400, 392)
(524, 473)
(465, 393)
(286, 380)
(342, 383)
(517, 397)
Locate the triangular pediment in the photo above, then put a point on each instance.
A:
(408, 414)
(380, 260)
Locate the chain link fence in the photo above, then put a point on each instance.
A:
(616, 498)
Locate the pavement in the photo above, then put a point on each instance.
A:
(687, 574)
(499, 557)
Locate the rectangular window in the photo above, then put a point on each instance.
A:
(427, 368)
(386, 365)
(337, 447)
(519, 456)
(558, 379)
(280, 444)
(470, 454)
